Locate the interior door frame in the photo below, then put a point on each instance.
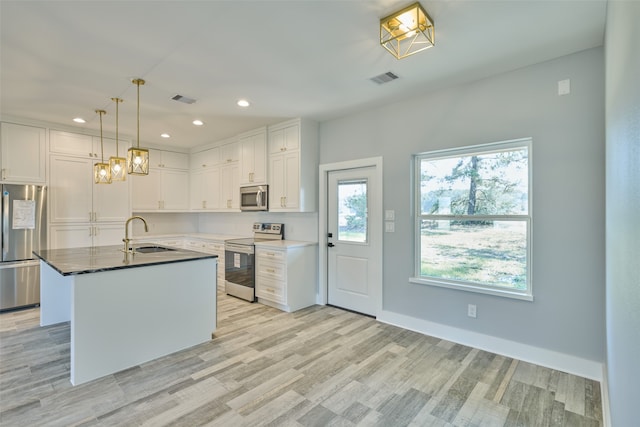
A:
(375, 229)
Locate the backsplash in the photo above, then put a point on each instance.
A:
(298, 226)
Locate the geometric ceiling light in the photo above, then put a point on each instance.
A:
(138, 158)
(117, 164)
(407, 31)
(101, 173)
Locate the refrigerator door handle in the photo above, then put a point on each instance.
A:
(5, 224)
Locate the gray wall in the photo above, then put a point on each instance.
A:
(567, 314)
(623, 210)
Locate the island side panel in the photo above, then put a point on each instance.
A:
(122, 318)
(55, 296)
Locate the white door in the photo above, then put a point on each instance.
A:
(353, 240)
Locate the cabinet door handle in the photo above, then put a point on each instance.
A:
(90, 216)
(4, 176)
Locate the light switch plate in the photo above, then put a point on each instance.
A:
(564, 87)
(389, 226)
(390, 215)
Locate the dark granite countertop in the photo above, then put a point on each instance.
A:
(104, 258)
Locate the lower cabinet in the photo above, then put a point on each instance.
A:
(286, 274)
(83, 235)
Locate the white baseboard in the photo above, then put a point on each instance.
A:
(539, 356)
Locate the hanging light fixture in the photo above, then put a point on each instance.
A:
(407, 31)
(117, 164)
(101, 172)
(138, 158)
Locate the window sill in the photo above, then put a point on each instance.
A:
(472, 288)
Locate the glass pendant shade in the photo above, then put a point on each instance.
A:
(407, 31)
(117, 164)
(101, 173)
(118, 168)
(138, 158)
(138, 161)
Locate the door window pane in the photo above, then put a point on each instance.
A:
(352, 211)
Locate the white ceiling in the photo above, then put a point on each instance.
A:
(304, 58)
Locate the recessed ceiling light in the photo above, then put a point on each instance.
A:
(243, 103)
(198, 122)
(79, 120)
(165, 135)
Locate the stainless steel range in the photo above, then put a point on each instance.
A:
(239, 256)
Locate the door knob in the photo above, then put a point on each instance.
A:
(330, 244)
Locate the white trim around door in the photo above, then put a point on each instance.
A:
(376, 286)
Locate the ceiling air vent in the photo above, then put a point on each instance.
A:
(180, 98)
(384, 78)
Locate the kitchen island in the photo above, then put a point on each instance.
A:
(125, 309)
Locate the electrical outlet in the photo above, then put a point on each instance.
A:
(471, 310)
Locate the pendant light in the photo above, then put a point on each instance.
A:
(101, 172)
(138, 158)
(117, 164)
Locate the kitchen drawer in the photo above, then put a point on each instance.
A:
(195, 245)
(175, 243)
(271, 270)
(215, 248)
(272, 290)
(270, 255)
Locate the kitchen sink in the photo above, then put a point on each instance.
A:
(152, 249)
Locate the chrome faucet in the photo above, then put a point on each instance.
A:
(126, 239)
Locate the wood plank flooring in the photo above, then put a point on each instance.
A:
(320, 366)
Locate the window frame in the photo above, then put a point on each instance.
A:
(419, 217)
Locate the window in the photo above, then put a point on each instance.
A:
(473, 221)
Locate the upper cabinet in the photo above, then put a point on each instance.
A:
(253, 157)
(293, 166)
(166, 188)
(205, 159)
(168, 159)
(23, 152)
(80, 145)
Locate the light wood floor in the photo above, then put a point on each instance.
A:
(321, 366)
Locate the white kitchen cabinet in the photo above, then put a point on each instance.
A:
(230, 187)
(205, 189)
(253, 157)
(161, 190)
(293, 166)
(168, 159)
(285, 274)
(83, 235)
(23, 152)
(284, 137)
(166, 187)
(75, 198)
(205, 159)
(230, 152)
(80, 145)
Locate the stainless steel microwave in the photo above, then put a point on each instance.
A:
(254, 198)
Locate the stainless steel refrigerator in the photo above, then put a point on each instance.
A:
(24, 230)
